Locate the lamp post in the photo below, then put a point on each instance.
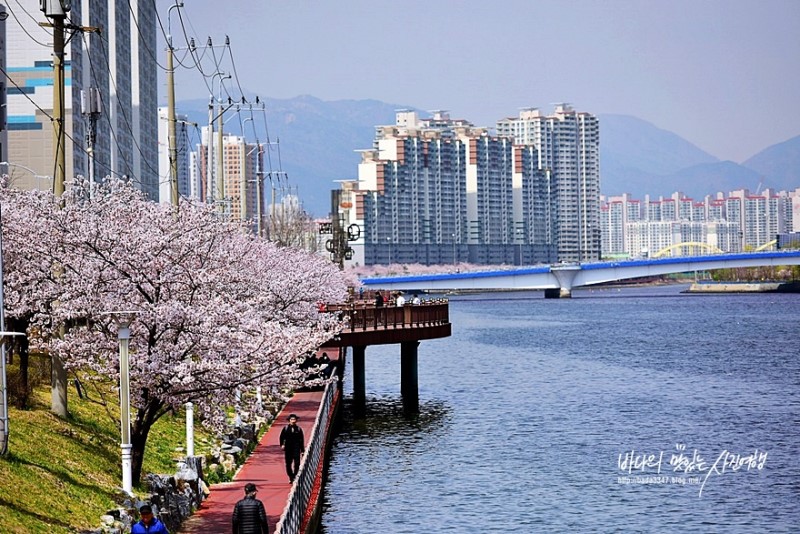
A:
(124, 319)
(389, 242)
(125, 405)
(189, 429)
(455, 260)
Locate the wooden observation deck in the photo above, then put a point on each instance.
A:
(406, 325)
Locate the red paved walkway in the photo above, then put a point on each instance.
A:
(264, 468)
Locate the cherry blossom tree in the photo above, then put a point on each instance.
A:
(219, 312)
(30, 236)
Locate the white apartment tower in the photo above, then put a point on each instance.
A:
(118, 61)
(440, 190)
(568, 148)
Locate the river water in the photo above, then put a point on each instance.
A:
(633, 410)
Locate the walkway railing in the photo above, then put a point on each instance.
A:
(307, 484)
(364, 316)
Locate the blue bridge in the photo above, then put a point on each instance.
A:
(558, 281)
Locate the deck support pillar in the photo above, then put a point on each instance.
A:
(359, 376)
(409, 387)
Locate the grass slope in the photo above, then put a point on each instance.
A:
(61, 475)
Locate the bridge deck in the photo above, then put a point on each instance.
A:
(572, 275)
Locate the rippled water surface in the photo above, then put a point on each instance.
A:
(528, 411)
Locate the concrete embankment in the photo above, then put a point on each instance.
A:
(744, 287)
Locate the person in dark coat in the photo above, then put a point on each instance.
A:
(379, 300)
(293, 445)
(148, 524)
(249, 516)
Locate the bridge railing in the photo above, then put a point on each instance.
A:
(363, 316)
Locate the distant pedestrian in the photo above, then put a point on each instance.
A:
(400, 300)
(293, 445)
(148, 523)
(361, 293)
(415, 300)
(379, 299)
(249, 516)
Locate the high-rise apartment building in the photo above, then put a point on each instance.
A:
(613, 216)
(241, 164)
(734, 223)
(118, 61)
(441, 190)
(568, 150)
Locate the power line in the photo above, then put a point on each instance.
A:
(22, 26)
(122, 113)
(46, 114)
(233, 65)
(23, 93)
(141, 35)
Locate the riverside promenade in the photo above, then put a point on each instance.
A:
(296, 509)
(264, 468)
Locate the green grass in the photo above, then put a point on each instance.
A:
(61, 475)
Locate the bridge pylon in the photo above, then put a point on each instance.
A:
(565, 274)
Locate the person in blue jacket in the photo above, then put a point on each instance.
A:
(148, 524)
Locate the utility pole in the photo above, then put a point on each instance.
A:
(57, 11)
(172, 138)
(171, 135)
(209, 149)
(220, 198)
(210, 197)
(259, 180)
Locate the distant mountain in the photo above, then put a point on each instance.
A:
(639, 158)
(778, 165)
(318, 140)
(631, 143)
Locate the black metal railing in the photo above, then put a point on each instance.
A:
(308, 476)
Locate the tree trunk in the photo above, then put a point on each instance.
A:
(22, 345)
(145, 418)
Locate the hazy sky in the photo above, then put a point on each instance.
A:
(724, 74)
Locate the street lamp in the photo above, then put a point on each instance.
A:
(455, 260)
(389, 243)
(124, 319)
(36, 176)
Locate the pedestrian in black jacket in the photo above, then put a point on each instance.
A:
(249, 516)
(293, 445)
